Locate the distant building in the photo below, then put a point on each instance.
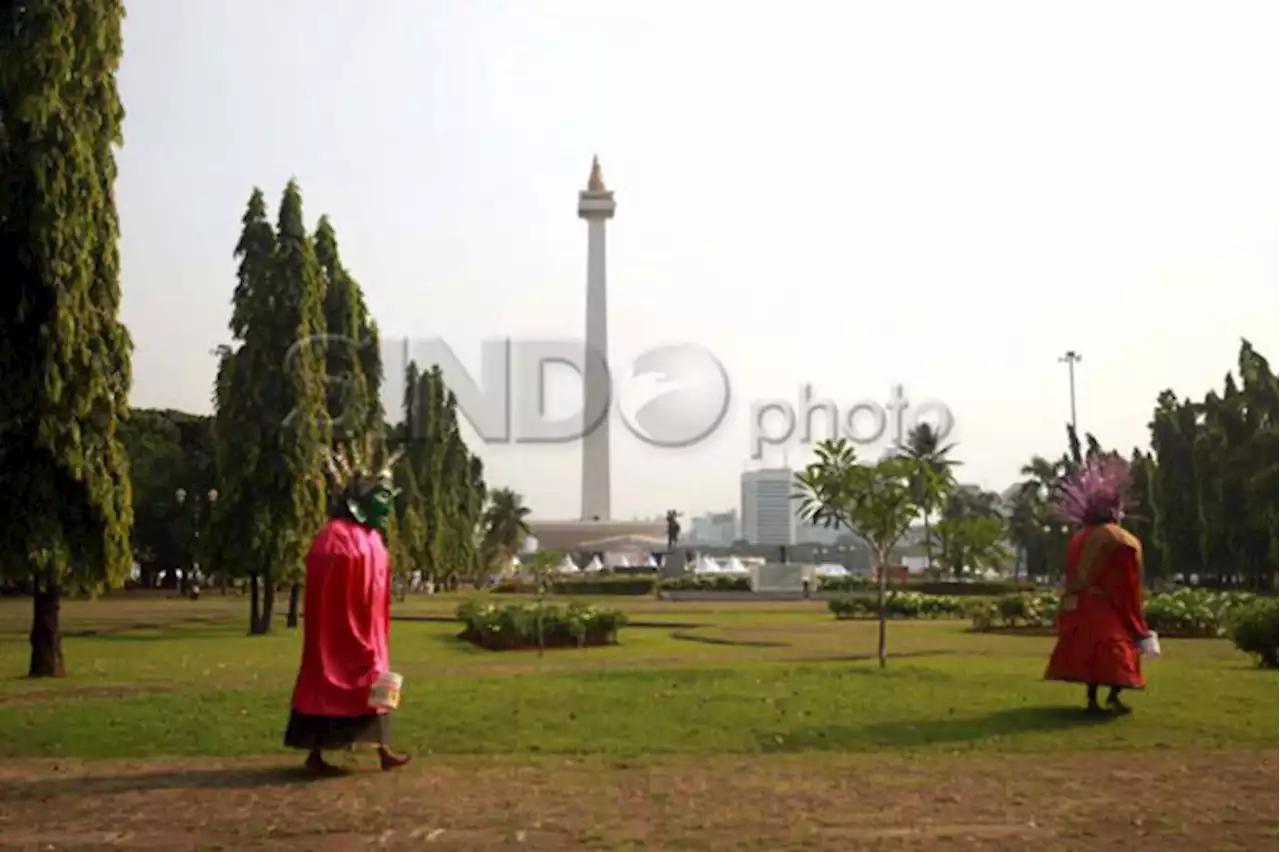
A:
(714, 529)
(807, 533)
(1009, 498)
(768, 506)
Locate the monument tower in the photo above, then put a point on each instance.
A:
(596, 205)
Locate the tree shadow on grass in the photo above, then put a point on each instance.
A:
(959, 729)
(229, 778)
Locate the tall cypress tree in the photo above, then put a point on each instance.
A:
(1174, 486)
(292, 474)
(242, 433)
(1140, 520)
(65, 503)
(473, 518)
(347, 391)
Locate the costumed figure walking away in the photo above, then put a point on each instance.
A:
(346, 623)
(1100, 623)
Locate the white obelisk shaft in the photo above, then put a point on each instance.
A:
(596, 205)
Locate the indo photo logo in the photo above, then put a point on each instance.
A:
(672, 396)
(774, 422)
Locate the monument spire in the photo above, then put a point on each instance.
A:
(595, 183)
(596, 206)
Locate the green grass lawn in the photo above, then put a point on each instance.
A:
(193, 683)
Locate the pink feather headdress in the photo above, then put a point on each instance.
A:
(1098, 493)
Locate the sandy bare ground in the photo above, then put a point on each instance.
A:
(1130, 801)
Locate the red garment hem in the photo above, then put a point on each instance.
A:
(1139, 685)
(347, 711)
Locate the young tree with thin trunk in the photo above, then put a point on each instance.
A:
(876, 503)
(65, 508)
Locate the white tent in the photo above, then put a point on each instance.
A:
(735, 566)
(620, 561)
(650, 562)
(568, 566)
(831, 569)
(707, 565)
(594, 566)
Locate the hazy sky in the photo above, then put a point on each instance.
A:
(850, 194)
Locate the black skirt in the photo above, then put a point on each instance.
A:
(335, 732)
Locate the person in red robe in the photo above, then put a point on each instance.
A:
(1100, 622)
(346, 624)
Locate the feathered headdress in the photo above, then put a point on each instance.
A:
(1098, 493)
(353, 473)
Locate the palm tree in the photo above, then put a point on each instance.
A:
(1032, 517)
(924, 448)
(504, 523)
(970, 530)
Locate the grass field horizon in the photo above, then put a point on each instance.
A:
(711, 678)
(712, 725)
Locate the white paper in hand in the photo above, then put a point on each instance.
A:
(1150, 646)
(385, 694)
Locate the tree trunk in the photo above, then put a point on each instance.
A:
(268, 604)
(928, 546)
(541, 641)
(295, 594)
(255, 611)
(46, 633)
(880, 605)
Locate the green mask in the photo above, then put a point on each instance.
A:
(371, 502)
(373, 509)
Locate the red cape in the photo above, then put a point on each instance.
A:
(1101, 620)
(346, 621)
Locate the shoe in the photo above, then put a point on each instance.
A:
(321, 768)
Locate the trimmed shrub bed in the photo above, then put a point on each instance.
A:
(624, 584)
(950, 588)
(898, 604)
(707, 583)
(514, 627)
(598, 585)
(1249, 620)
(1255, 629)
(1181, 614)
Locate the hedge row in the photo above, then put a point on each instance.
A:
(516, 626)
(627, 585)
(981, 588)
(612, 584)
(598, 585)
(1250, 620)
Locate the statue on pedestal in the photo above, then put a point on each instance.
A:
(673, 528)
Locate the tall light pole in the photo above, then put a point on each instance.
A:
(210, 498)
(1071, 359)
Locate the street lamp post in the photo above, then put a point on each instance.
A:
(210, 497)
(1071, 358)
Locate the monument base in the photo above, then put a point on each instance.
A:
(599, 536)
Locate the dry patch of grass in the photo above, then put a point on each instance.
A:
(830, 802)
